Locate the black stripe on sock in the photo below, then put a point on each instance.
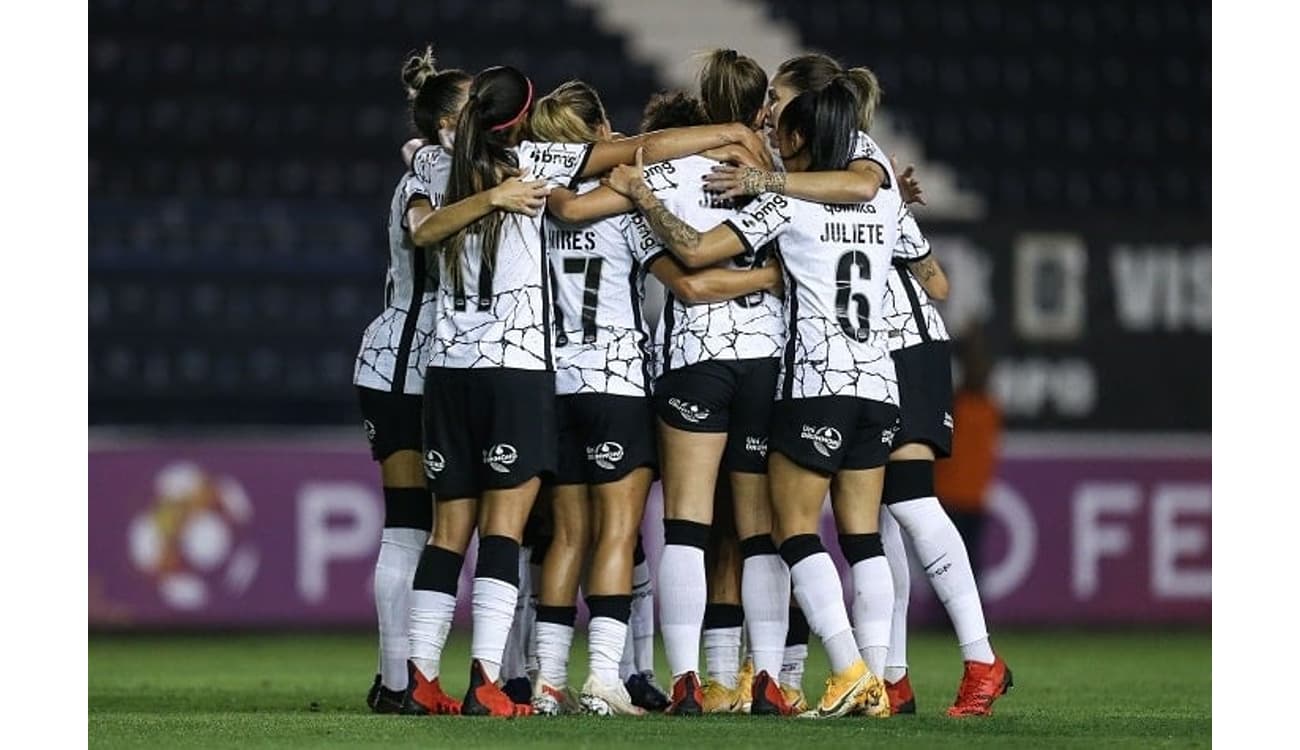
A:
(800, 546)
(498, 558)
(438, 570)
(557, 615)
(723, 616)
(686, 533)
(759, 544)
(859, 547)
(614, 606)
(408, 508)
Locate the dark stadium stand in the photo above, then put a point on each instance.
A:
(243, 155)
(1043, 107)
(242, 159)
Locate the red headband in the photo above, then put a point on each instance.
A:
(528, 102)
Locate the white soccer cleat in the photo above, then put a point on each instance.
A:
(549, 700)
(599, 699)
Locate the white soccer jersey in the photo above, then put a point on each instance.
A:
(394, 345)
(597, 272)
(865, 147)
(748, 327)
(907, 314)
(500, 313)
(836, 259)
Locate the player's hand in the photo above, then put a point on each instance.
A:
(756, 145)
(731, 181)
(625, 179)
(908, 186)
(519, 197)
(733, 153)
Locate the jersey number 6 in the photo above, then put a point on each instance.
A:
(845, 296)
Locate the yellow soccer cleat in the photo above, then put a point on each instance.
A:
(875, 698)
(845, 693)
(745, 685)
(795, 699)
(720, 699)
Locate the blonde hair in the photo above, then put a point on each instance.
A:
(572, 113)
(732, 87)
(811, 72)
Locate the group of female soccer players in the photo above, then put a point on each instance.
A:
(796, 354)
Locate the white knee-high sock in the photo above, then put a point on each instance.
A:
(891, 538)
(496, 592)
(554, 642)
(943, 556)
(683, 592)
(515, 659)
(608, 630)
(820, 594)
(722, 634)
(873, 605)
(432, 607)
(641, 626)
(399, 554)
(765, 594)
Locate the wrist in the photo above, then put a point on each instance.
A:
(774, 182)
(494, 197)
(641, 194)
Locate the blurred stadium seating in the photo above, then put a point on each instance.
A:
(242, 156)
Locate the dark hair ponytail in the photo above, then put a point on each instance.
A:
(499, 99)
(828, 121)
(434, 94)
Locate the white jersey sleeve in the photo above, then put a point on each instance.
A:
(395, 344)
(912, 245)
(763, 220)
(560, 164)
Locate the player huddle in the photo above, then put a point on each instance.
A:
(795, 353)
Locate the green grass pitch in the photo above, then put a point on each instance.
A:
(1138, 689)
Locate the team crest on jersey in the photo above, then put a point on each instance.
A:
(501, 457)
(433, 463)
(370, 430)
(824, 439)
(692, 413)
(606, 455)
(756, 445)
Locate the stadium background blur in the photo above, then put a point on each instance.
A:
(242, 159)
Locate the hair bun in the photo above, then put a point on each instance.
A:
(418, 69)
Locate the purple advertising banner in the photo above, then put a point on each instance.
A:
(285, 532)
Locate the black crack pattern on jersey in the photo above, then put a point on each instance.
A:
(612, 364)
(379, 348)
(828, 363)
(899, 323)
(507, 335)
(725, 330)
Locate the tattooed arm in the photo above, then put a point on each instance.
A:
(695, 249)
(856, 184)
(931, 275)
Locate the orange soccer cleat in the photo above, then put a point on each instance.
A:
(981, 684)
(486, 698)
(425, 697)
(769, 699)
(688, 698)
(901, 698)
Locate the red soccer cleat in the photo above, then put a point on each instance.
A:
(486, 698)
(981, 684)
(768, 699)
(688, 698)
(425, 697)
(901, 699)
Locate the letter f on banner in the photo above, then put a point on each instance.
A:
(1094, 538)
(320, 542)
